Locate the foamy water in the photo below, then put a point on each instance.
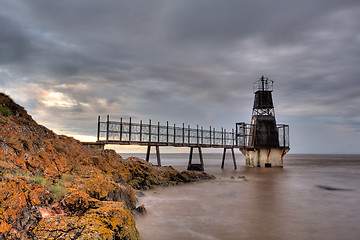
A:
(312, 197)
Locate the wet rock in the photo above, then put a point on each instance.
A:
(141, 209)
(242, 178)
(139, 194)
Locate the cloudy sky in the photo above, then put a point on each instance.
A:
(191, 61)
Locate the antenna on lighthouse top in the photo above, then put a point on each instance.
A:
(263, 84)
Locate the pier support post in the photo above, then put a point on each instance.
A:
(190, 156)
(157, 154)
(148, 153)
(233, 156)
(201, 157)
(196, 167)
(224, 156)
(223, 159)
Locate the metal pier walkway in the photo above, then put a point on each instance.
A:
(148, 134)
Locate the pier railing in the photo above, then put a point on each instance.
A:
(139, 133)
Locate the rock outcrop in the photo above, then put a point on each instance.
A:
(53, 187)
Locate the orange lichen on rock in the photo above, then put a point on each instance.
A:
(19, 199)
(53, 187)
(108, 220)
(79, 202)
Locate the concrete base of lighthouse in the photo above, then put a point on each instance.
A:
(264, 157)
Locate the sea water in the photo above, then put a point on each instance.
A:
(312, 197)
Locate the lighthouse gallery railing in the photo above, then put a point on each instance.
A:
(243, 135)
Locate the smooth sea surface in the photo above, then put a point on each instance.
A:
(312, 197)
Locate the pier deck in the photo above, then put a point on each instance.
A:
(148, 134)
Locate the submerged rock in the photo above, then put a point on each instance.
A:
(328, 188)
(242, 178)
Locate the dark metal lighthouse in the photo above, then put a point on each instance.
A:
(263, 142)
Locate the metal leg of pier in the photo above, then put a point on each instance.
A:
(196, 167)
(158, 155)
(233, 156)
(190, 156)
(201, 157)
(148, 153)
(224, 156)
(223, 159)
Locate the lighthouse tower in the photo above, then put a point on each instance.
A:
(263, 142)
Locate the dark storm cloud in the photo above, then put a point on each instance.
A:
(222, 22)
(14, 43)
(181, 60)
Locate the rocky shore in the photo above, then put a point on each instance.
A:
(53, 187)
